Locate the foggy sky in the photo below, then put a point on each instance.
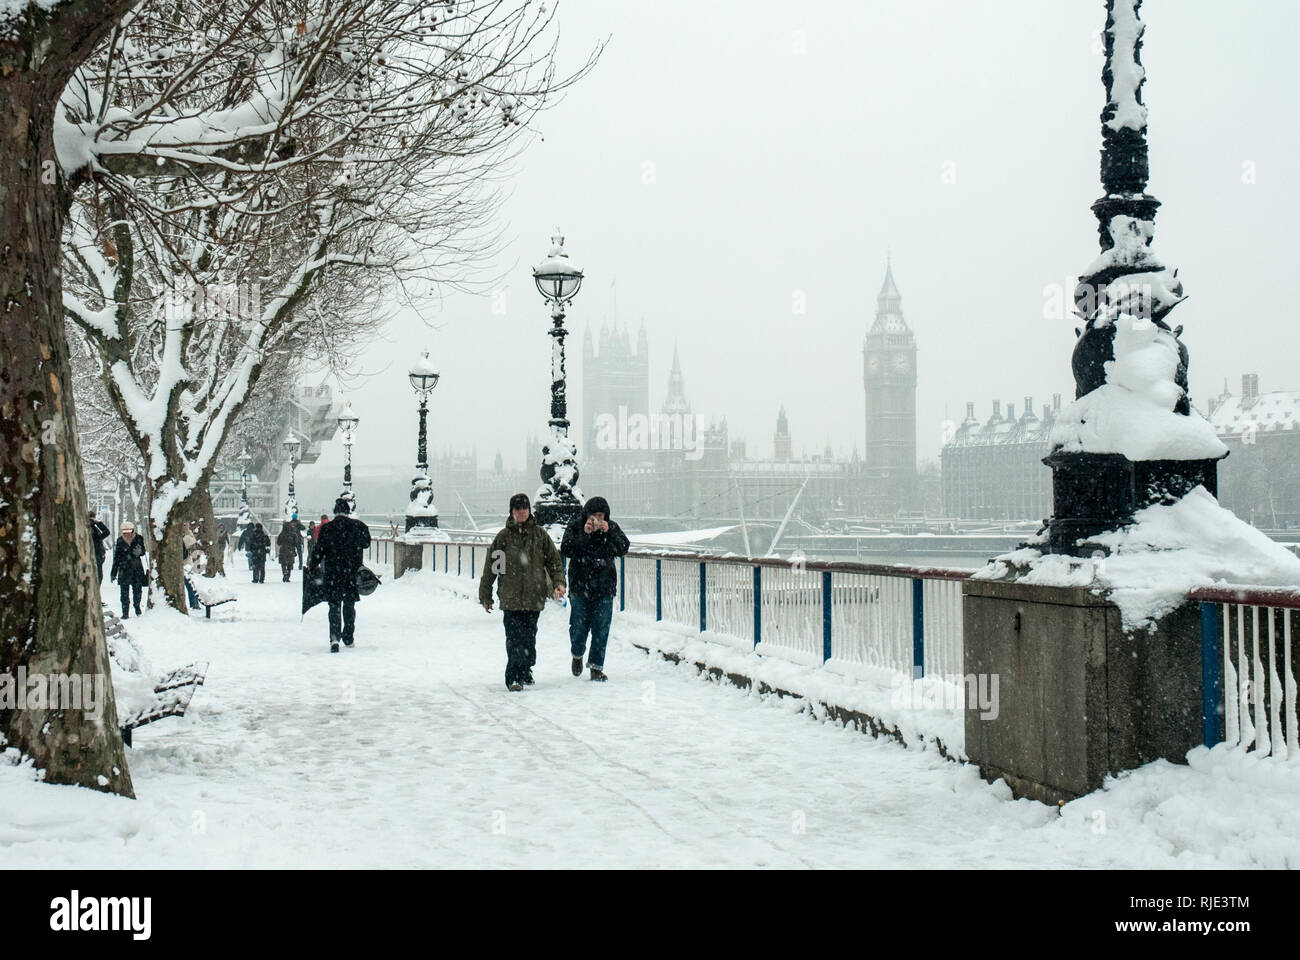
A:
(713, 170)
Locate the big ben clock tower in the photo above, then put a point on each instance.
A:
(889, 379)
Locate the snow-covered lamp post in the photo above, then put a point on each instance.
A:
(348, 421)
(245, 515)
(291, 447)
(1131, 438)
(558, 499)
(421, 511)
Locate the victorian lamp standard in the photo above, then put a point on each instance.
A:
(348, 421)
(558, 499)
(291, 446)
(421, 511)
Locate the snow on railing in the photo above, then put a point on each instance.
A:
(1248, 669)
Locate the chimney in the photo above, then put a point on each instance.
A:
(1056, 403)
(1029, 408)
(1249, 389)
(997, 411)
(970, 411)
(1011, 413)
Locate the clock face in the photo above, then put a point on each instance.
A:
(901, 363)
(873, 364)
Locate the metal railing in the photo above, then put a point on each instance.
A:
(1248, 669)
(848, 615)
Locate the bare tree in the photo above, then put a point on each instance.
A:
(305, 167)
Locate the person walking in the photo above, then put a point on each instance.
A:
(259, 544)
(341, 546)
(287, 545)
(100, 533)
(296, 525)
(591, 542)
(128, 568)
(528, 569)
(193, 563)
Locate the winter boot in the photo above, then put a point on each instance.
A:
(137, 610)
(126, 613)
(528, 678)
(514, 686)
(334, 646)
(576, 666)
(598, 675)
(348, 641)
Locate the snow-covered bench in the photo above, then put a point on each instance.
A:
(172, 695)
(211, 592)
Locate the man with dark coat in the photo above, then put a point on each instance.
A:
(258, 544)
(528, 568)
(128, 567)
(591, 542)
(99, 532)
(341, 546)
(287, 545)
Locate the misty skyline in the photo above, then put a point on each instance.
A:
(727, 161)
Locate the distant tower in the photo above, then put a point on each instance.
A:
(675, 401)
(889, 379)
(782, 448)
(613, 377)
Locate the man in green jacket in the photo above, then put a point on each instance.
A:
(524, 560)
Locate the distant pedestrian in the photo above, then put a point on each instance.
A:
(591, 542)
(341, 545)
(259, 544)
(296, 525)
(193, 564)
(287, 545)
(128, 568)
(528, 569)
(323, 520)
(99, 533)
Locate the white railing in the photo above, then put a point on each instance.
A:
(1248, 669)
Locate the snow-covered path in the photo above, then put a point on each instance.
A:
(408, 751)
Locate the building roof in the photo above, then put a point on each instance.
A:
(1269, 412)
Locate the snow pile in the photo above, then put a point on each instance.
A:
(1132, 413)
(1168, 551)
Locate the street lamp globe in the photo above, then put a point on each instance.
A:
(291, 445)
(423, 375)
(557, 277)
(348, 420)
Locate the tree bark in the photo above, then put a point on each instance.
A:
(51, 621)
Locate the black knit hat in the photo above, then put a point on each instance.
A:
(520, 501)
(596, 505)
(342, 506)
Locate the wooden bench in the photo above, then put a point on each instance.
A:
(206, 600)
(172, 695)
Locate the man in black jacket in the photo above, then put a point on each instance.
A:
(591, 543)
(99, 532)
(259, 545)
(341, 547)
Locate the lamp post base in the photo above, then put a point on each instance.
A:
(1093, 493)
(548, 512)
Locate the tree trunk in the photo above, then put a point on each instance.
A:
(51, 622)
(201, 509)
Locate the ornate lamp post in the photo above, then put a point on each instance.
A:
(245, 516)
(291, 447)
(1130, 367)
(348, 421)
(421, 512)
(558, 499)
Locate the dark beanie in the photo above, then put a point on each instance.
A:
(341, 506)
(596, 505)
(520, 501)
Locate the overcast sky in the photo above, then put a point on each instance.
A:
(725, 156)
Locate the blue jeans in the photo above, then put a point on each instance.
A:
(590, 615)
(193, 597)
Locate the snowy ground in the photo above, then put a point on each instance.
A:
(408, 751)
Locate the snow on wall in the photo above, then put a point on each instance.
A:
(1168, 551)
